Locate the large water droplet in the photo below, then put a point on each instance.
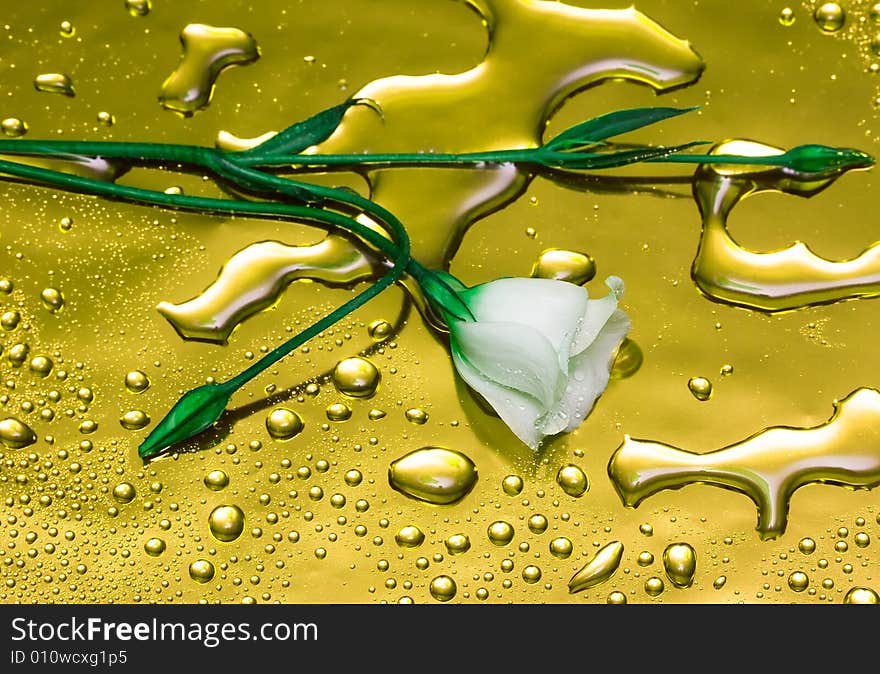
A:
(599, 569)
(680, 563)
(700, 387)
(457, 544)
(500, 533)
(124, 492)
(338, 412)
(53, 299)
(138, 7)
(409, 537)
(201, 571)
(861, 595)
(443, 588)
(54, 83)
(356, 377)
(561, 547)
(564, 265)
(798, 581)
(137, 381)
(16, 434)
(134, 420)
(572, 480)
(216, 480)
(830, 17)
(226, 522)
(283, 423)
(154, 547)
(433, 474)
(207, 50)
(13, 127)
(628, 360)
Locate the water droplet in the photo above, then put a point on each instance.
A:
(380, 330)
(138, 7)
(154, 547)
(500, 533)
(85, 394)
(105, 118)
(283, 423)
(137, 381)
(616, 598)
(645, 558)
(861, 595)
(564, 265)
(338, 412)
(531, 232)
(201, 571)
(599, 569)
(628, 360)
(416, 416)
(862, 539)
(88, 426)
(561, 547)
(65, 224)
(457, 544)
(54, 83)
(443, 588)
(356, 377)
(654, 586)
(52, 299)
(680, 563)
(13, 127)
(512, 485)
(700, 387)
(798, 581)
(16, 434)
(18, 353)
(226, 522)
(41, 365)
(5, 286)
(538, 524)
(646, 529)
(375, 415)
(134, 420)
(719, 582)
(572, 480)
(207, 50)
(531, 574)
(353, 477)
(807, 546)
(124, 492)
(726, 370)
(66, 29)
(433, 474)
(10, 320)
(786, 16)
(409, 537)
(830, 17)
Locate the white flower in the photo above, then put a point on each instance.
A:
(539, 351)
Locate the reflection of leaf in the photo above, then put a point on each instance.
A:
(605, 160)
(612, 124)
(196, 411)
(296, 138)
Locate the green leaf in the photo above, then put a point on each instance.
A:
(597, 129)
(296, 138)
(606, 160)
(824, 159)
(196, 411)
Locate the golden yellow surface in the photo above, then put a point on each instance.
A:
(85, 520)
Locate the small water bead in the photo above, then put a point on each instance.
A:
(380, 330)
(16, 434)
(572, 480)
(726, 370)
(356, 377)
(512, 485)
(53, 299)
(13, 127)
(416, 416)
(409, 537)
(54, 83)
(9, 320)
(283, 423)
(628, 360)
(137, 381)
(201, 571)
(124, 492)
(700, 387)
(443, 588)
(861, 595)
(500, 533)
(830, 17)
(719, 582)
(154, 547)
(433, 474)
(18, 353)
(616, 598)
(862, 539)
(807, 546)
(226, 522)
(531, 574)
(138, 7)
(654, 586)
(645, 558)
(457, 544)
(561, 547)
(353, 477)
(105, 118)
(85, 394)
(680, 563)
(786, 16)
(564, 265)
(134, 420)
(88, 426)
(375, 415)
(538, 524)
(598, 569)
(798, 581)
(216, 480)
(646, 529)
(338, 412)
